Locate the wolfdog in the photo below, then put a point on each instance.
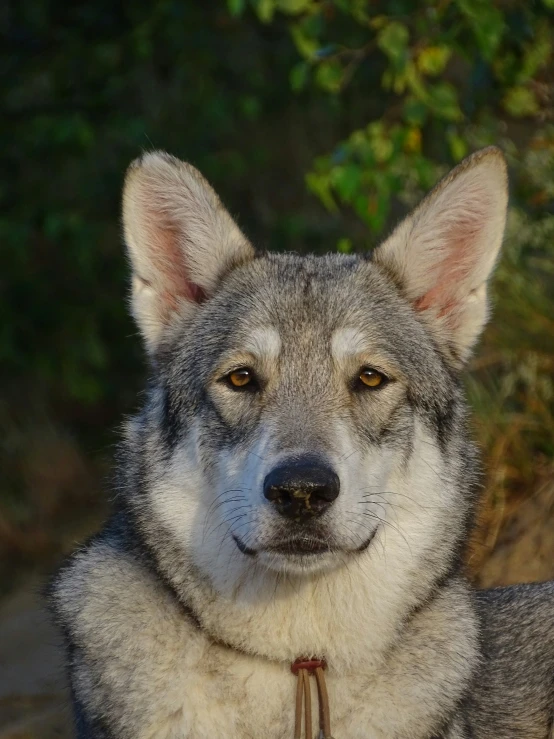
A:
(296, 494)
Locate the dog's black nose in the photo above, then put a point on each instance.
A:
(302, 488)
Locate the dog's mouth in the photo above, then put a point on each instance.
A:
(302, 546)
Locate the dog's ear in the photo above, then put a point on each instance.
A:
(180, 239)
(443, 253)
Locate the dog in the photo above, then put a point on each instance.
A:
(299, 488)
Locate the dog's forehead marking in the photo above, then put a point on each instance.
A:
(346, 342)
(264, 342)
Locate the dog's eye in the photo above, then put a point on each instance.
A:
(372, 378)
(241, 379)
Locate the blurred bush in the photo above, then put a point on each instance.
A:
(321, 122)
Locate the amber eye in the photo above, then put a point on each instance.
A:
(372, 378)
(241, 378)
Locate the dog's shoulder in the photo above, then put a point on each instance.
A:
(514, 693)
(109, 586)
(519, 614)
(517, 633)
(128, 638)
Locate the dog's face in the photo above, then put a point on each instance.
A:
(302, 403)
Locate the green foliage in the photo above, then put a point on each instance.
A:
(520, 101)
(444, 69)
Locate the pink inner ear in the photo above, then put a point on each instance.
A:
(459, 259)
(197, 293)
(168, 262)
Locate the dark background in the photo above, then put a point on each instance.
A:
(320, 124)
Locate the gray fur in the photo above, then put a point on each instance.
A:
(181, 617)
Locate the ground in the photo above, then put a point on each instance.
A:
(33, 696)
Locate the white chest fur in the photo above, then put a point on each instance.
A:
(237, 697)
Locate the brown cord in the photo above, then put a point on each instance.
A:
(298, 712)
(307, 704)
(324, 711)
(303, 669)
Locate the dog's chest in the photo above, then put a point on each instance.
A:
(147, 671)
(227, 694)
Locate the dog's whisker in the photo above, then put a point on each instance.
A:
(224, 493)
(392, 526)
(217, 526)
(402, 495)
(219, 504)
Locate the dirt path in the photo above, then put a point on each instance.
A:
(33, 696)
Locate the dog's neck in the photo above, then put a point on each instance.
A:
(349, 615)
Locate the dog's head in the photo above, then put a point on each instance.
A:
(306, 411)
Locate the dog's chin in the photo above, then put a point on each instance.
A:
(300, 564)
(302, 555)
